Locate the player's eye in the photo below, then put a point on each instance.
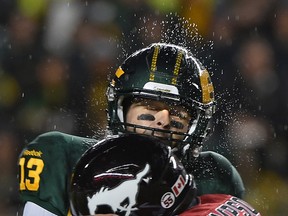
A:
(176, 124)
(151, 107)
(179, 113)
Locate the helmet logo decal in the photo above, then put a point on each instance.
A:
(161, 87)
(119, 72)
(114, 197)
(167, 200)
(177, 67)
(179, 185)
(207, 87)
(153, 63)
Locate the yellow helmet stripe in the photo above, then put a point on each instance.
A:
(177, 67)
(153, 63)
(207, 87)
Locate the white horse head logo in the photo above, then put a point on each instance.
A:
(127, 190)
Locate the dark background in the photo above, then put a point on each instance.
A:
(56, 58)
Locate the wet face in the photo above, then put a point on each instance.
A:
(158, 115)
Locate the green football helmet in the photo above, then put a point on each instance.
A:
(168, 73)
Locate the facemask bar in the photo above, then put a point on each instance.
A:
(192, 139)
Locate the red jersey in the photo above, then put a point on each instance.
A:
(220, 205)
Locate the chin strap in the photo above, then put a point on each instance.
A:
(189, 151)
(188, 155)
(196, 151)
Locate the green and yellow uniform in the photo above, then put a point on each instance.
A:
(46, 165)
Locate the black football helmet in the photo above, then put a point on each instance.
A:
(167, 73)
(131, 174)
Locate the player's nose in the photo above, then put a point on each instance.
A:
(162, 119)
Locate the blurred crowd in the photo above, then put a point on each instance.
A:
(56, 58)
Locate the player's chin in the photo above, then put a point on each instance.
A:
(160, 135)
(105, 215)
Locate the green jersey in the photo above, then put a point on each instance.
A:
(46, 165)
(214, 173)
(45, 169)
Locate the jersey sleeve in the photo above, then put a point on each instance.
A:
(45, 168)
(215, 174)
(31, 209)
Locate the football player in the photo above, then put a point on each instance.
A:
(140, 175)
(162, 91)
